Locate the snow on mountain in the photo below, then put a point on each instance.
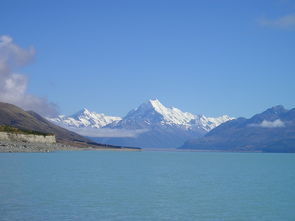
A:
(209, 123)
(160, 126)
(154, 114)
(150, 125)
(170, 115)
(84, 119)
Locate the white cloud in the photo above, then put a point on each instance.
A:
(106, 132)
(13, 86)
(285, 22)
(269, 124)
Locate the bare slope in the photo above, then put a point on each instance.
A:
(28, 120)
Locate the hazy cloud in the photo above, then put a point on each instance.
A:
(107, 132)
(269, 124)
(285, 22)
(13, 86)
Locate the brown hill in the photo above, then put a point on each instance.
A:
(14, 116)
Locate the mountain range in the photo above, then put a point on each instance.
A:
(150, 125)
(154, 125)
(270, 131)
(83, 119)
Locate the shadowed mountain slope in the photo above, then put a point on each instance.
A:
(270, 131)
(14, 116)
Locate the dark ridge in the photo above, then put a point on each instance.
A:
(250, 134)
(13, 116)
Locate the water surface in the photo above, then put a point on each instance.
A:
(114, 185)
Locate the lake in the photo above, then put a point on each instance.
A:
(147, 185)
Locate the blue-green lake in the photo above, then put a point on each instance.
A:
(147, 185)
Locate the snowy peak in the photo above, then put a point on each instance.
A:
(85, 118)
(153, 111)
(151, 124)
(150, 105)
(83, 113)
(156, 105)
(209, 123)
(154, 114)
(150, 115)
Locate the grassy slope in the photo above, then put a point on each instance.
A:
(10, 129)
(28, 120)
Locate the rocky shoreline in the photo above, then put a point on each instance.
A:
(16, 146)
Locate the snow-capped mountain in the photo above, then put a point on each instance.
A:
(150, 125)
(209, 123)
(161, 126)
(84, 119)
(153, 114)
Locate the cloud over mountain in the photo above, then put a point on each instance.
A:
(13, 85)
(107, 132)
(269, 124)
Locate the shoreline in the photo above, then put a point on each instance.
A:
(198, 150)
(25, 147)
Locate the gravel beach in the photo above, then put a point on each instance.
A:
(15, 146)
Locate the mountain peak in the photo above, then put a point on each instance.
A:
(85, 118)
(154, 111)
(83, 111)
(154, 102)
(150, 105)
(277, 109)
(156, 105)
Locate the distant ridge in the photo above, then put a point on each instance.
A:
(84, 119)
(270, 131)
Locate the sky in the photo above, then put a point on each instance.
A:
(204, 57)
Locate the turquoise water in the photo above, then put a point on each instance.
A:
(111, 185)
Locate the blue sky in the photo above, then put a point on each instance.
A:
(210, 57)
